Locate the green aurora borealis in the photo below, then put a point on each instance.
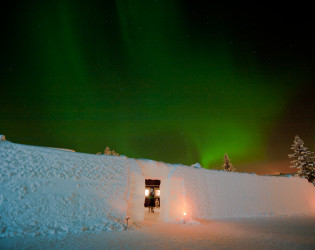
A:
(173, 81)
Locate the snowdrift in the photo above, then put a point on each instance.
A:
(44, 190)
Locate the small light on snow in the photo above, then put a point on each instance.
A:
(184, 219)
(127, 219)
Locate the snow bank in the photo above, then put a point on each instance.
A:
(52, 191)
(211, 194)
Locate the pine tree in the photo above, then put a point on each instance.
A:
(114, 153)
(227, 166)
(107, 151)
(303, 160)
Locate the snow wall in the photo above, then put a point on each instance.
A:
(44, 190)
(212, 194)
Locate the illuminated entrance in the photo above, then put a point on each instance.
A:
(152, 193)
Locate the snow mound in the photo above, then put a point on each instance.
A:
(196, 165)
(50, 191)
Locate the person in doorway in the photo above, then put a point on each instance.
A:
(151, 201)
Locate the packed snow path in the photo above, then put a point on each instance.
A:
(260, 233)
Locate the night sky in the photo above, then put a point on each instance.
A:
(173, 81)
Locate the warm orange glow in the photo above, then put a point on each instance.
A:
(184, 213)
(157, 192)
(146, 192)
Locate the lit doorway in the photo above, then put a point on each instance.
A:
(152, 200)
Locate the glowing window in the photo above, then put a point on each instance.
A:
(157, 192)
(146, 192)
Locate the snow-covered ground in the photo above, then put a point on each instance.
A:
(250, 233)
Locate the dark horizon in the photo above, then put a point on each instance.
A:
(179, 82)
